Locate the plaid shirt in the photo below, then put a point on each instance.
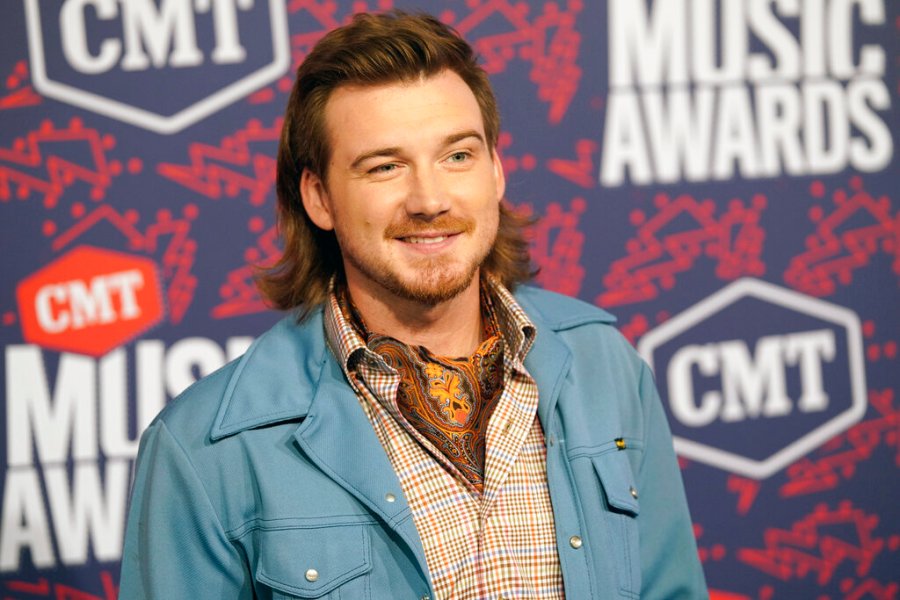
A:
(500, 544)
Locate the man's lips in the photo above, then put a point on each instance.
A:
(426, 239)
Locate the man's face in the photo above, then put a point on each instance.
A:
(412, 189)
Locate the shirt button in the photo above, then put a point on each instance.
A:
(312, 575)
(389, 497)
(575, 542)
(633, 491)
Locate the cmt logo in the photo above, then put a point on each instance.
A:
(90, 301)
(158, 64)
(755, 376)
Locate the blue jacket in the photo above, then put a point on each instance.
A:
(269, 468)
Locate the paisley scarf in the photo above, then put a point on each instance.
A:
(449, 401)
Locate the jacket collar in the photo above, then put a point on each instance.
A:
(279, 375)
(550, 357)
(276, 379)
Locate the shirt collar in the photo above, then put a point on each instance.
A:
(517, 329)
(349, 346)
(344, 339)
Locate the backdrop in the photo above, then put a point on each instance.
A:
(722, 176)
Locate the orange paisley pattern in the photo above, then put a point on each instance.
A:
(447, 400)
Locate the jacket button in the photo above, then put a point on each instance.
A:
(633, 491)
(575, 542)
(389, 497)
(312, 575)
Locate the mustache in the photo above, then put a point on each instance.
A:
(441, 224)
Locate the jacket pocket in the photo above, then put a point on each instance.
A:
(621, 510)
(320, 562)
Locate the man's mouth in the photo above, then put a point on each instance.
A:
(425, 240)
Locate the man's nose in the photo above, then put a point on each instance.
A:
(427, 196)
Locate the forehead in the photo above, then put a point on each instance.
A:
(400, 114)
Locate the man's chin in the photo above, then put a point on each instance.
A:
(433, 290)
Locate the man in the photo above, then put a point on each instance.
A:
(412, 430)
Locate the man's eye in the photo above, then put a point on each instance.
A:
(458, 157)
(381, 169)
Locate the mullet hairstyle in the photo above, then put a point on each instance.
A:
(371, 50)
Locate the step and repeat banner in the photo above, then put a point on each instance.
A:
(721, 175)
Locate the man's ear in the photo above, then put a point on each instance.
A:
(499, 177)
(315, 200)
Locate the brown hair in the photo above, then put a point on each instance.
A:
(371, 50)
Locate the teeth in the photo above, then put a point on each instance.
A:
(426, 240)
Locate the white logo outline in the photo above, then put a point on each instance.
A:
(767, 292)
(146, 119)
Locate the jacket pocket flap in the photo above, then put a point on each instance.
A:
(614, 471)
(310, 562)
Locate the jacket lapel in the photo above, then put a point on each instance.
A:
(548, 363)
(549, 359)
(289, 373)
(338, 437)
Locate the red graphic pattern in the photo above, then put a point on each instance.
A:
(869, 588)
(634, 328)
(818, 545)
(708, 553)
(325, 17)
(43, 588)
(511, 163)
(876, 351)
(166, 239)
(671, 241)
(845, 451)
(18, 91)
(239, 293)
(242, 164)
(37, 163)
(580, 171)
(746, 490)
(846, 238)
(720, 595)
(556, 245)
(547, 40)
(220, 170)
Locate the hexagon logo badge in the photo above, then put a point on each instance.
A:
(755, 376)
(158, 64)
(90, 301)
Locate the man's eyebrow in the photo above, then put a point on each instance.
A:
(394, 150)
(458, 137)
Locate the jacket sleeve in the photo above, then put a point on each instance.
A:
(175, 546)
(671, 567)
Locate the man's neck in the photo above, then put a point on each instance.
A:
(452, 328)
